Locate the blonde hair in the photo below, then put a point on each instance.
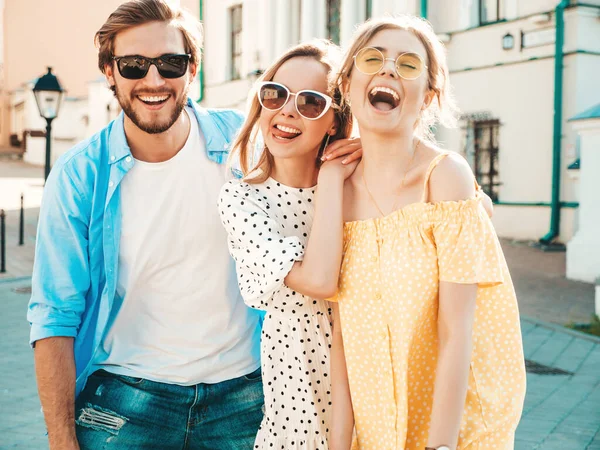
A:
(139, 12)
(320, 50)
(442, 109)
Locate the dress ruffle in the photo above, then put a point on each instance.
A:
(467, 247)
(264, 441)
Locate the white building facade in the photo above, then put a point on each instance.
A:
(502, 62)
(501, 54)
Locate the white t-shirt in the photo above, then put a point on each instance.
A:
(182, 320)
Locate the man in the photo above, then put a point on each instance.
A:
(141, 337)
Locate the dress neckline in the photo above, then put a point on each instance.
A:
(272, 181)
(416, 205)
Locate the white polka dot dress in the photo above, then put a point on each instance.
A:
(388, 300)
(268, 226)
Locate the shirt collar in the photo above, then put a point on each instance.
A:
(214, 137)
(118, 147)
(215, 140)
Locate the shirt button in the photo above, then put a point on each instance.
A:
(378, 296)
(112, 158)
(374, 259)
(128, 159)
(111, 184)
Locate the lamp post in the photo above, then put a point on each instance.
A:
(48, 94)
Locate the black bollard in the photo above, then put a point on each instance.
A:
(2, 242)
(22, 223)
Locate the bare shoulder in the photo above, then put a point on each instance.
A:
(451, 180)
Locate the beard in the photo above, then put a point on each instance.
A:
(155, 127)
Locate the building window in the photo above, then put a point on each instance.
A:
(368, 9)
(485, 159)
(333, 20)
(236, 41)
(483, 12)
(489, 11)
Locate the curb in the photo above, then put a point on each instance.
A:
(14, 280)
(560, 329)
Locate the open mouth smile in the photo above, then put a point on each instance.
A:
(153, 100)
(285, 133)
(384, 98)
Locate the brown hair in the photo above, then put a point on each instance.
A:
(139, 12)
(442, 108)
(322, 51)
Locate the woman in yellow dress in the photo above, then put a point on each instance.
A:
(431, 355)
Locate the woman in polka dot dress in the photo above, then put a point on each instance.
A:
(269, 215)
(429, 317)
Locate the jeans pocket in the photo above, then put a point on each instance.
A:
(132, 381)
(253, 376)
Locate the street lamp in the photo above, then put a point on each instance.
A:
(48, 94)
(508, 41)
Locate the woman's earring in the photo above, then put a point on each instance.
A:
(326, 141)
(322, 150)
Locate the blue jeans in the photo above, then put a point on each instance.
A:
(120, 412)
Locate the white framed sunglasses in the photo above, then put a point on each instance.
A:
(370, 60)
(311, 105)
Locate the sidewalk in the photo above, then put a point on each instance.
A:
(21, 421)
(542, 289)
(18, 178)
(562, 412)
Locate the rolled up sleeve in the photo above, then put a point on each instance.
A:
(61, 273)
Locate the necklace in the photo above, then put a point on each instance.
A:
(416, 146)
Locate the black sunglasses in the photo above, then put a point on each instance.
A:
(136, 67)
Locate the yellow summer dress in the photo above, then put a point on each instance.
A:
(388, 297)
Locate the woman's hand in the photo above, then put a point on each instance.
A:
(487, 203)
(339, 167)
(351, 148)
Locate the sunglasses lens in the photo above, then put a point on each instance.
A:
(409, 66)
(133, 67)
(172, 66)
(272, 96)
(311, 105)
(369, 60)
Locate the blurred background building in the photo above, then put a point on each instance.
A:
(520, 70)
(57, 33)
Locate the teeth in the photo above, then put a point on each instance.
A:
(393, 93)
(288, 129)
(153, 98)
